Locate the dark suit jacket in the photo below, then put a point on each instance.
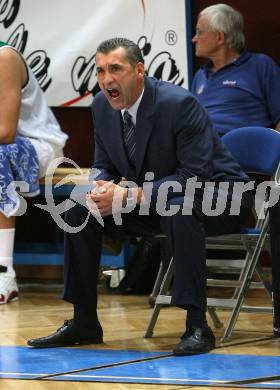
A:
(174, 140)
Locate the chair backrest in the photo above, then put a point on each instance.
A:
(257, 149)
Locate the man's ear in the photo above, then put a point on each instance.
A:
(221, 37)
(140, 69)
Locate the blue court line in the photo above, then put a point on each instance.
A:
(32, 363)
(207, 370)
(103, 365)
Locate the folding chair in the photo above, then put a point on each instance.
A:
(257, 150)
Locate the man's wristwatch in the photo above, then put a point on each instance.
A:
(130, 201)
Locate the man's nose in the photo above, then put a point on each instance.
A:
(107, 79)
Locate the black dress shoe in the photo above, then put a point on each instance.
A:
(195, 341)
(68, 334)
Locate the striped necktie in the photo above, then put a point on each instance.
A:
(129, 137)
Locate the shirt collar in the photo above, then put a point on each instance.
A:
(134, 108)
(244, 56)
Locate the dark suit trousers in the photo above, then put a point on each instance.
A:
(186, 238)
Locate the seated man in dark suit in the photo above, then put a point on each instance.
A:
(238, 89)
(158, 137)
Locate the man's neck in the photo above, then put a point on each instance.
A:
(134, 108)
(223, 58)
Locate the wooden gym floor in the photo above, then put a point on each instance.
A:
(40, 311)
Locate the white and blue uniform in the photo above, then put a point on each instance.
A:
(38, 141)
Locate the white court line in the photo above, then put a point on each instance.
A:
(128, 377)
(145, 378)
(21, 374)
(206, 381)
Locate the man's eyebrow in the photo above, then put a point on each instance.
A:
(117, 64)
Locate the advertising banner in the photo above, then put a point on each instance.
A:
(58, 39)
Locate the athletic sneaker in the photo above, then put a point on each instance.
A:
(8, 285)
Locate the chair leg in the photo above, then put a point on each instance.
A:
(249, 270)
(156, 288)
(161, 272)
(264, 280)
(162, 294)
(150, 329)
(214, 317)
(249, 255)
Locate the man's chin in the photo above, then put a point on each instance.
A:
(116, 105)
(200, 54)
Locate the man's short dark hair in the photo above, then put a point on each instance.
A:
(133, 52)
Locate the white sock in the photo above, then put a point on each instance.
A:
(7, 237)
